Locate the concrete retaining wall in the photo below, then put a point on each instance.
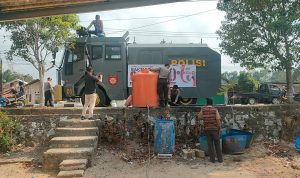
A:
(266, 121)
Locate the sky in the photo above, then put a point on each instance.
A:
(183, 22)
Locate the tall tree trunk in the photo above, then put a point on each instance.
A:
(289, 82)
(42, 93)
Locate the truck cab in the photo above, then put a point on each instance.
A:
(107, 55)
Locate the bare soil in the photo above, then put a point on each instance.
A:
(258, 161)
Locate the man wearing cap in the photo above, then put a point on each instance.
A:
(90, 93)
(212, 126)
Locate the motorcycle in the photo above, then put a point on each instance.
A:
(15, 102)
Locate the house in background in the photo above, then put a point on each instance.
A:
(32, 92)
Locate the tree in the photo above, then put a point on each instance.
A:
(262, 76)
(34, 40)
(262, 34)
(9, 76)
(232, 77)
(246, 82)
(278, 77)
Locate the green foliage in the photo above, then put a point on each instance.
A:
(261, 34)
(247, 83)
(9, 76)
(8, 130)
(232, 77)
(35, 40)
(225, 88)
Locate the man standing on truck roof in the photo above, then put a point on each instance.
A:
(90, 93)
(98, 24)
(212, 126)
(163, 84)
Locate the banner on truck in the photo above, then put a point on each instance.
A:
(181, 75)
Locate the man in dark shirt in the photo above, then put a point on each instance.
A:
(90, 93)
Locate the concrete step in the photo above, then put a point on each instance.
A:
(73, 164)
(53, 157)
(74, 142)
(76, 123)
(88, 131)
(70, 174)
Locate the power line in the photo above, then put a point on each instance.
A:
(148, 31)
(143, 18)
(173, 36)
(171, 20)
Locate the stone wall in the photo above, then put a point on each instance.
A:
(266, 121)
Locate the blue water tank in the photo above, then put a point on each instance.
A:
(164, 137)
(249, 136)
(234, 143)
(204, 144)
(297, 143)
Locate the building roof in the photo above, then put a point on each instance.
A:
(33, 82)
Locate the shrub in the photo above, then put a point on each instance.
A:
(8, 131)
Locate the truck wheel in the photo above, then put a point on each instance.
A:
(276, 101)
(251, 101)
(101, 99)
(187, 101)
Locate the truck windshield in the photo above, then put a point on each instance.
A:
(112, 52)
(274, 88)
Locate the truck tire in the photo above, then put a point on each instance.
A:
(187, 101)
(101, 100)
(276, 101)
(252, 101)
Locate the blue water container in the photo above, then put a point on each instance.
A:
(164, 137)
(249, 136)
(234, 143)
(203, 141)
(297, 143)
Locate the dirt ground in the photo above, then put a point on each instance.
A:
(258, 161)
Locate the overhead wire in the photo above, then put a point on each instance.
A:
(144, 18)
(157, 23)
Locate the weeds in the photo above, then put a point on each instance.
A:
(8, 131)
